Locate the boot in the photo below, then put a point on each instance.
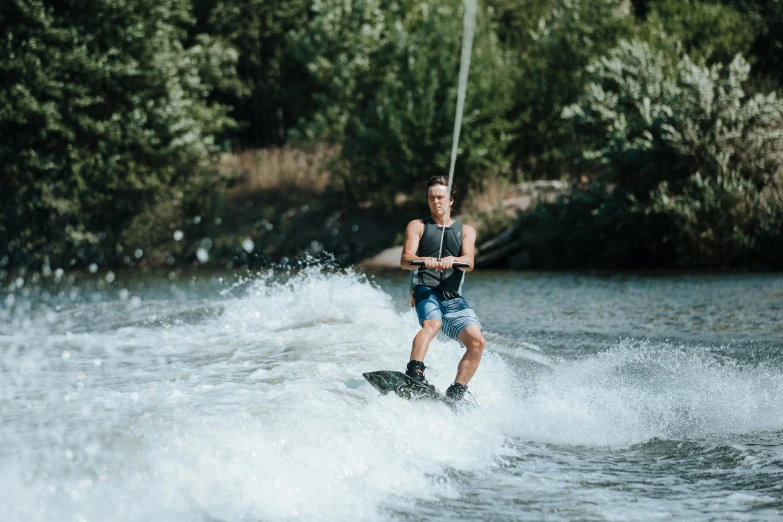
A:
(456, 393)
(415, 371)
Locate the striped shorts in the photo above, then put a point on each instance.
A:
(455, 313)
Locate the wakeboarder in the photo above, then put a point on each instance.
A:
(437, 286)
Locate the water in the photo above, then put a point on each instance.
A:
(212, 397)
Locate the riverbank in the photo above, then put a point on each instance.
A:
(275, 207)
(282, 205)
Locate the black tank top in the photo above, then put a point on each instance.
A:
(449, 281)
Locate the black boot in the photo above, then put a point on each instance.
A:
(456, 393)
(415, 371)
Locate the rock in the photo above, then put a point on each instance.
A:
(535, 191)
(532, 187)
(520, 204)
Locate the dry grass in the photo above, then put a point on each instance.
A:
(276, 168)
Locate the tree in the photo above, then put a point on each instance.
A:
(104, 113)
(268, 97)
(706, 30)
(385, 75)
(551, 56)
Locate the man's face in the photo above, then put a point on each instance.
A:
(437, 198)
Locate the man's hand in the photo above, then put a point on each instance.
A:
(431, 262)
(438, 264)
(448, 262)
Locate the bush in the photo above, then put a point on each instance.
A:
(644, 119)
(722, 221)
(690, 158)
(590, 227)
(619, 120)
(718, 129)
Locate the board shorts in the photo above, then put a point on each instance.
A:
(455, 313)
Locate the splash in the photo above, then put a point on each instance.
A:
(639, 391)
(257, 412)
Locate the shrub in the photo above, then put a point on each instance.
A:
(695, 154)
(721, 221)
(644, 119)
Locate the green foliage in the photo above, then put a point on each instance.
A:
(391, 104)
(342, 51)
(645, 120)
(620, 120)
(706, 30)
(589, 227)
(688, 147)
(104, 112)
(267, 95)
(554, 42)
(722, 221)
(720, 129)
(191, 210)
(766, 53)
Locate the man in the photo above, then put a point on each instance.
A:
(437, 286)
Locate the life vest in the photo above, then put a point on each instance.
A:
(449, 281)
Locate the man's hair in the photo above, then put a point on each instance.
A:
(442, 180)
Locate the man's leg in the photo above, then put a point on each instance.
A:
(429, 329)
(474, 341)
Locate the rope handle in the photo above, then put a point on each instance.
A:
(455, 265)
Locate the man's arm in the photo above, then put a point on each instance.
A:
(413, 233)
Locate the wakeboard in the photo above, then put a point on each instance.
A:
(386, 381)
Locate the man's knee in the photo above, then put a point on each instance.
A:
(478, 344)
(475, 341)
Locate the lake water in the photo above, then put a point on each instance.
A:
(224, 397)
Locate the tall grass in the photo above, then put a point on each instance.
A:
(259, 170)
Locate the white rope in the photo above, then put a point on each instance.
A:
(469, 24)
